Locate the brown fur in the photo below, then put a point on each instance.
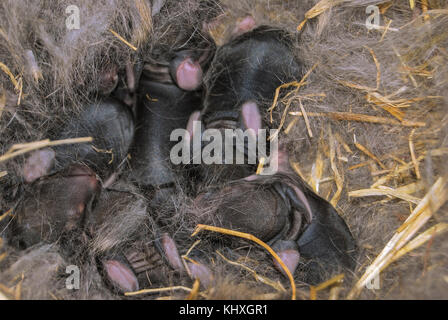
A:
(337, 40)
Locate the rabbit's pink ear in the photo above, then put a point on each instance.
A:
(193, 117)
(244, 25)
(38, 164)
(189, 75)
(251, 116)
(171, 253)
(288, 252)
(121, 276)
(290, 258)
(202, 272)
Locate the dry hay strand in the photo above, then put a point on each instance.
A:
(318, 9)
(158, 290)
(259, 278)
(433, 200)
(287, 85)
(382, 190)
(22, 148)
(349, 116)
(387, 81)
(193, 295)
(331, 283)
(123, 40)
(250, 237)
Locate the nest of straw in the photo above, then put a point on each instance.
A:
(367, 127)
